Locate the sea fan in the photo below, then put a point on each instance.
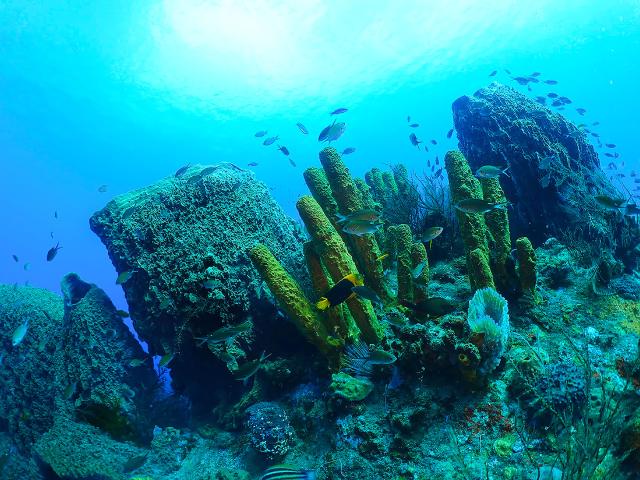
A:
(356, 360)
(489, 315)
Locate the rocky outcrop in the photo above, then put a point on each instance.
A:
(554, 171)
(27, 373)
(186, 241)
(101, 374)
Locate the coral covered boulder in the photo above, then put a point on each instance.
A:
(554, 171)
(185, 241)
(97, 374)
(27, 389)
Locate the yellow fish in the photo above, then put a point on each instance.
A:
(341, 291)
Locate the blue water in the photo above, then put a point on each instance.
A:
(123, 93)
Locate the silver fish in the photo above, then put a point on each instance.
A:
(19, 333)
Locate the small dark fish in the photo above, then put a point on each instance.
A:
(557, 103)
(348, 151)
(610, 145)
(414, 125)
(368, 294)
(612, 166)
(270, 140)
(102, 188)
(594, 134)
(293, 164)
(181, 171)
(508, 72)
(533, 80)
(535, 74)
(432, 306)
(551, 82)
(134, 463)
(261, 133)
(128, 212)
(493, 74)
(633, 173)
(124, 277)
(408, 118)
(287, 472)
(338, 111)
(414, 140)
(122, 313)
(552, 95)
(15, 258)
(450, 133)
(581, 111)
(51, 234)
(249, 369)
(437, 160)
(521, 80)
(55, 214)
(595, 124)
(53, 251)
(541, 100)
(438, 173)
(165, 360)
(27, 267)
(284, 150)
(433, 142)
(428, 162)
(252, 164)
(564, 100)
(302, 128)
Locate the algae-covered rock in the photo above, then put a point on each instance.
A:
(351, 388)
(77, 450)
(93, 364)
(554, 170)
(27, 373)
(186, 240)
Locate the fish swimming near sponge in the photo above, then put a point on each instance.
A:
(341, 291)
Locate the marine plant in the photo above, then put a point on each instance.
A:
(488, 319)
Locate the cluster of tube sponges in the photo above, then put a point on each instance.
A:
(330, 256)
(486, 238)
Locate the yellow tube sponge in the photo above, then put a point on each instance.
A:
(403, 241)
(293, 301)
(347, 196)
(421, 282)
(338, 262)
(527, 270)
(497, 222)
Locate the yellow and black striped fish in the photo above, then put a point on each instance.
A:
(287, 472)
(341, 291)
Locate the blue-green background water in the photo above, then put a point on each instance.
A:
(123, 93)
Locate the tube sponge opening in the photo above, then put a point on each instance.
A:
(488, 316)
